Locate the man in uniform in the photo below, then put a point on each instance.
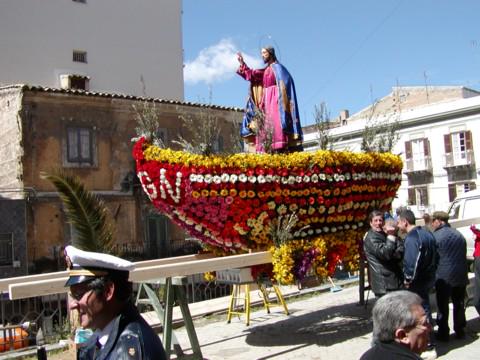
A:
(102, 295)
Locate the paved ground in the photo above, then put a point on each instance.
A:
(324, 326)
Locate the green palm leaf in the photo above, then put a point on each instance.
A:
(85, 211)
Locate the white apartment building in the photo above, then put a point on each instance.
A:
(439, 141)
(115, 46)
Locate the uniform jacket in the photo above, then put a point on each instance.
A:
(452, 252)
(131, 338)
(390, 351)
(384, 262)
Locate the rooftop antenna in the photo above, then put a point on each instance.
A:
(210, 94)
(397, 94)
(426, 86)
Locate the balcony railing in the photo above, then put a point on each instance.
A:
(423, 164)
(461, 158)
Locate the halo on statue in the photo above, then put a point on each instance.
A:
(268, 40)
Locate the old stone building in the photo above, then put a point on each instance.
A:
(89, 135)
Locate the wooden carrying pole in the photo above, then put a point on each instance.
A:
(5, 283)
(145, 271)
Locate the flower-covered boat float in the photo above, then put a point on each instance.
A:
(235, 203)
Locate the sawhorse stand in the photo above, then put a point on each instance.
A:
(174, 294)
(236, 295)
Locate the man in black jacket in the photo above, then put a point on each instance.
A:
(384, 254)
(452, 277)
(102, 295)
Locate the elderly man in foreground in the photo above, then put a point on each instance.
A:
(400, 327)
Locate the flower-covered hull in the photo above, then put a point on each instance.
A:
(231, 201)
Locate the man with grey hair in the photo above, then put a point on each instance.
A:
(400, 327)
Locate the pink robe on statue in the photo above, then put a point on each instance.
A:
(268, 104)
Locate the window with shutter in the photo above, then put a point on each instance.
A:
(468, 140)
(408, 149)
(448, 143)
(79, 145)
(452, 192)
(426, 147)
(412, 198)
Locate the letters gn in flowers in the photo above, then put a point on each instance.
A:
(232, 202)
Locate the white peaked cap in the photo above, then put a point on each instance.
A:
(89, 259)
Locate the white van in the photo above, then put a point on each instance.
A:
(462, 209)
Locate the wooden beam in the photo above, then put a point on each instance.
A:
(171, 260)
(163, 268)
(4, 283)
(187, 268)
(37, 288)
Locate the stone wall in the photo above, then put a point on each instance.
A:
(46, 116)
(11, 186)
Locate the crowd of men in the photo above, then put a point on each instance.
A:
(405, 259)
(405, 264)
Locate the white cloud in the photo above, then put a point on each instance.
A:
(216, 63)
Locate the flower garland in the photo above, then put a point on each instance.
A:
(231, 202)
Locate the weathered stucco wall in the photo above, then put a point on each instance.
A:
(46, 117)
(11, 151)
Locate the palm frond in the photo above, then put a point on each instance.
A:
(85, 211)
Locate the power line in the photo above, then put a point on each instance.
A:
(354, 52)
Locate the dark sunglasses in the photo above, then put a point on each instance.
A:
(78, 295)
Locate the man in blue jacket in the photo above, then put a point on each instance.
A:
(452, 278)
(420, 259)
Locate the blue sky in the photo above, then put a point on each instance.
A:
(346, 53)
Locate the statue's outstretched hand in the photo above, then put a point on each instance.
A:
(240, 58)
